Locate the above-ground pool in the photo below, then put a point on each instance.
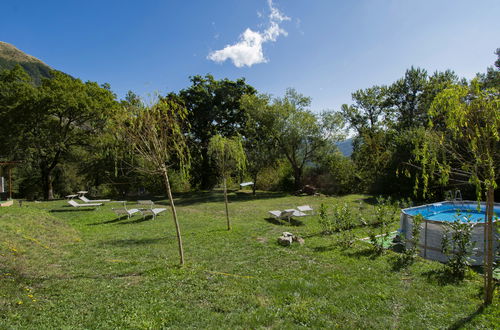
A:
(436, 216)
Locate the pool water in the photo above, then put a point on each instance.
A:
(450, 212)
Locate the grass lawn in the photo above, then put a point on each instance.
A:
(62, 267)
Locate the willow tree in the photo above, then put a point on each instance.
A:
(463, 144)
(156, 134)
(229, 158)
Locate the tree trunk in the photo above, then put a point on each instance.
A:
(254, 184)
(174, 213)
(227, 210)
(488, 257)
(48, 191)
(297, 175)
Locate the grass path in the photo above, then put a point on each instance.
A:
(68, 268)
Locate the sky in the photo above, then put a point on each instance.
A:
(325, 49)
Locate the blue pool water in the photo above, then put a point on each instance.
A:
(450, 212)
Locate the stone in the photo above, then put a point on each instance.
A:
(287, 234)
(299, 240)
(285, 241)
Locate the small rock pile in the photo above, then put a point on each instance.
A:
(288, 238)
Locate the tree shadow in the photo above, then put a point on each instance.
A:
(193, 198)
(72, 210)
(130, 242)
(463, 321)
(441, 276)
(363, 253)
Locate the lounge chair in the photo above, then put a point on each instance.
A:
(287, 214)
(75, 204)
(306, 209)
(121, 211)
(86, 200)
(150, 210)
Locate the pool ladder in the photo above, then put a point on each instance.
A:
(457, 197)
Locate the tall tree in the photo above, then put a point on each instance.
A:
(156, 134)
(260, 147)
(229, 157)
(404, 97)
(62, 113)
(298, 133)
(213, 108)
(466, 149)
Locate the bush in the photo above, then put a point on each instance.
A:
(457, 245)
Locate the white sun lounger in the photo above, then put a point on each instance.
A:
(86, 200)
(75, 204)
(122, 211)
(306, 209)
(151, 210)
(286, 214)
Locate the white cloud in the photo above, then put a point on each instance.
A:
(248, 50)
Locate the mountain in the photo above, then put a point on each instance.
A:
(10, 56)
(345, 147)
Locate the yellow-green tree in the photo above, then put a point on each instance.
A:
(463, 144)
(229, 158)
(156, 134)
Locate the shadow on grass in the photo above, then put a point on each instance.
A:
(71, 210)
(463, 321)
(192, 198)
(363, 253)
(441, 276)
(131, 242)
(139, 220)
(278, 222)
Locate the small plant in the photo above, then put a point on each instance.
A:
(411, 253)
(342, 217)
(347, 239)
(325, 221)
(378, 244)
(457, 245)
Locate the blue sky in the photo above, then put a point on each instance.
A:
(326, 49)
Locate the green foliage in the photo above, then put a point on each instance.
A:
(213, 108)
(457, 245)
(299, 134)
(227, 154)
(413, 251)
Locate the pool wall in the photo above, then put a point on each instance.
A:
(432, 231)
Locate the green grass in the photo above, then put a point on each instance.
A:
(67, 268)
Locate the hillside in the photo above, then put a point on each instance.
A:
(345, 147)
(10, 56)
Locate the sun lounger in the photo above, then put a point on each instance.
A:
(86, 200)
(150, 210)
(75, 204)
(306, 209)
(122, 211)
(286, 214)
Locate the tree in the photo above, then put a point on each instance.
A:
(229, 157)
(156, 135)
(466, 149)
(405, 99)
(298, 133)
(260, 147)
(58, 115)
(213, 108)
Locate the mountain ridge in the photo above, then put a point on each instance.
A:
(10, 56)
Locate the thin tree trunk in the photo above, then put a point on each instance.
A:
(254, 184)
(48, 191)
(174, 213)
(227, 210)
(488, 258)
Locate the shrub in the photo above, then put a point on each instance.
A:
(457, 245)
